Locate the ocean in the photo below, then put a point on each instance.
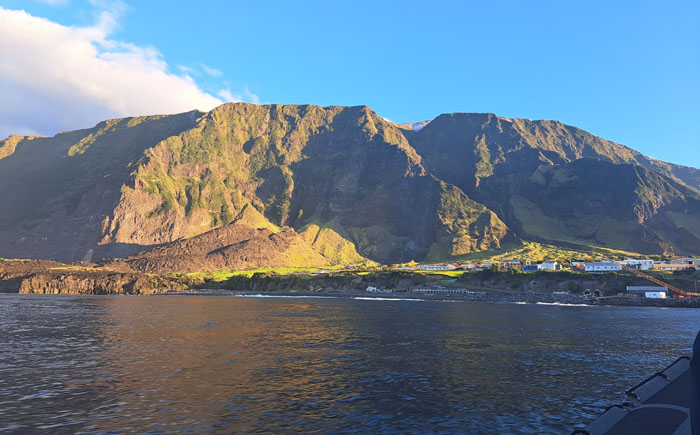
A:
(191, 364)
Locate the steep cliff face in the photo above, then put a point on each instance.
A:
(465, 148)
(598, 203)
(333, 185)
(556, 183)
(128, 185)
(57, 191)
(343, 168)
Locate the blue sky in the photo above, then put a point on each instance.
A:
(626, 71)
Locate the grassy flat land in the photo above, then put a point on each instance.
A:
(530, 251)
(223, 275)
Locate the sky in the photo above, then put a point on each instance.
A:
(628, 71)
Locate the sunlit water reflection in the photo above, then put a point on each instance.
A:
(202, 364)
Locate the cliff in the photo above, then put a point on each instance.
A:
(332, 185)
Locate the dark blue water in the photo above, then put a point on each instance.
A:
(203, 364)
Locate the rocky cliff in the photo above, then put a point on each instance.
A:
(36, 276)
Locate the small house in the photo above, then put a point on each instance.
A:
(550, 265)
(602, 266)
(637, 264)
(513, 264)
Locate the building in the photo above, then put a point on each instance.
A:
(550, 265)
(531, 268)
(577, 263)
(648, 291)
(672, 266)
(695, 262)
(603, 266)
(438, 267)
(510, 264)
(637, 264)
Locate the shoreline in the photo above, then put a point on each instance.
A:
(476, 297)
(42, 277)
(533, 298)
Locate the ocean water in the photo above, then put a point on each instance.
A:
(243, 364)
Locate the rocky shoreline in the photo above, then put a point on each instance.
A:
(47, 277)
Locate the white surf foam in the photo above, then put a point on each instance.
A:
(360, 298)
(286, 296)
(561, 304)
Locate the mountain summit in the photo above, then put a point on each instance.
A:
(330, 185)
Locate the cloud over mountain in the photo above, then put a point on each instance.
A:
(55, 77)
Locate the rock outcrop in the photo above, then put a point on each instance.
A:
(23, 276)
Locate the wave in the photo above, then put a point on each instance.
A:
(286, 296)
(362, 298)
(561, 304)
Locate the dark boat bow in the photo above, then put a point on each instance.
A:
(667, 402)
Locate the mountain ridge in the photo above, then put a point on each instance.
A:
(375, 189)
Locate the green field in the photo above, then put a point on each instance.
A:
(223, 275)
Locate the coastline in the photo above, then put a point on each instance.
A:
(530, 298)
(43, 277)
(475, 297)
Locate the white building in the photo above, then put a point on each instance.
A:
(637, 264)
(672, 266)
(438, 267)
(655, 295)
(694, 262)
(649, 291)
(603, 266)
(549, 265)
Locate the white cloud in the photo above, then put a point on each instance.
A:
(249, 96)
(55, 77)
(186, 70)
(115, 8)
(228, 96)
(211, 71)
(53, 2)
